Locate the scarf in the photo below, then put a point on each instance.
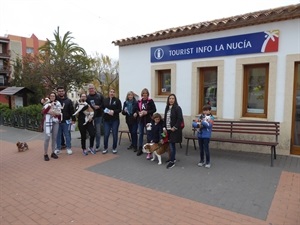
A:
(129, 104)
(48, 124)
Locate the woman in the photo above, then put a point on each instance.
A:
(146, 108)
(130, 109)
(86, 125)
(172, 125)
(51, 117)
(111, 120)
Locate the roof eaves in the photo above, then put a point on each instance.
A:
(249, 19)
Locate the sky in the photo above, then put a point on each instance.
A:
(95, 24)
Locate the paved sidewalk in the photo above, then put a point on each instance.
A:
(239, 188)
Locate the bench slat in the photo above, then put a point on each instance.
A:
(246, 132)
(245, 141)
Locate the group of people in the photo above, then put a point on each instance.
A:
(58, 116)
(94, 109)
(141, 115)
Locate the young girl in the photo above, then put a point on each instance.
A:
(51, 117)
(155, 129)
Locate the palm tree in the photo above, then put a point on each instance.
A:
(65, 63)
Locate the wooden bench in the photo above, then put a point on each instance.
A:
(122, 132)
(248, 128)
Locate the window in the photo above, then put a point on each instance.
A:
(29, 50)
(1, 80)
(255, 97)
(164, 82)
(208, 88)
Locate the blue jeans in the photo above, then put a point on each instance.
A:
(64, 128)
(112, 125)
(98, 122)
(133, 133)
(141, 127)
(204, 148)
(173, 151)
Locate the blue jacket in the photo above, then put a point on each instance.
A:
(206, 127)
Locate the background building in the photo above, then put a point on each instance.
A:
(5, 69)
(12, 47)
(247, 67)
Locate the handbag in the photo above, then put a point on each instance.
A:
(182, 124)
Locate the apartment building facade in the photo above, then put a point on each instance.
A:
(11, 48)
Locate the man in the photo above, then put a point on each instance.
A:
(95, 100)
(67, 120)
(111, 120)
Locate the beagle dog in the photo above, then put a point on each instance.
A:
(157, 149)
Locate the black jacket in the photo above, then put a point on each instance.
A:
(115, 105)
(96, 99)
(176, 120)
(149, 106)
(129, 118)
(156, 131)
(68, 109)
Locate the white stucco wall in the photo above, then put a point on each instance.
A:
(135, 65)
(135, 71)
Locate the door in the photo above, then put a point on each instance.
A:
(295, 145)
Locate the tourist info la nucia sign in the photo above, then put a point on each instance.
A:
(259, 42)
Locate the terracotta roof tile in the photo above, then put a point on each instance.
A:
(249, 19)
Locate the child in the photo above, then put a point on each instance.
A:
(155, 129)
(204, 128)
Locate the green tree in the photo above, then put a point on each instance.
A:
(65, 63)
(107, 71)
(28, 73)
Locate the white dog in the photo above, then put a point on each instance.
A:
(89, 112)
(55, 108)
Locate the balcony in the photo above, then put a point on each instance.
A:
(5, 70)
(5, 55)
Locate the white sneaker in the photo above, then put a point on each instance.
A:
(57, 152)
(69, 151)
(104, 151)
(207, 166)
(201, 164)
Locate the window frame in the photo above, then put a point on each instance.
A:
(246, 69)
(160, 80)
(202, 75)
(155, 92)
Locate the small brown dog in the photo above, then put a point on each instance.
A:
(22, 146)
(157, 149)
